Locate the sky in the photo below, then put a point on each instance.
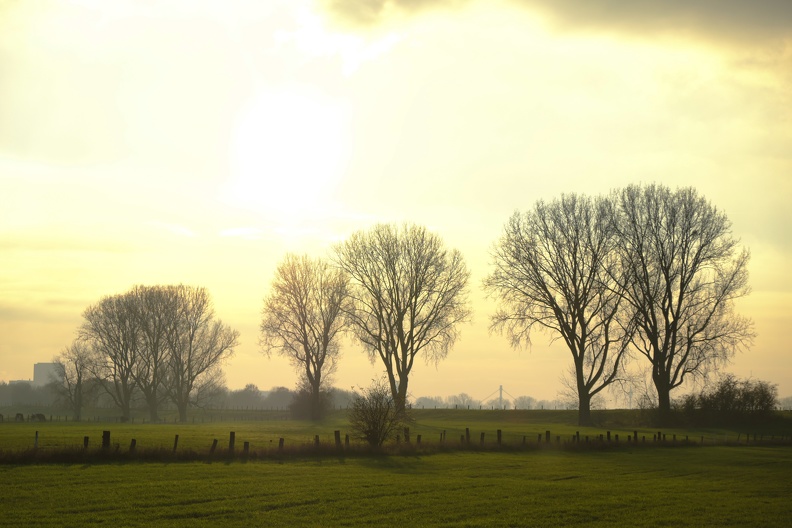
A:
(198, 142)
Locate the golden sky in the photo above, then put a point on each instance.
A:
(198, 142)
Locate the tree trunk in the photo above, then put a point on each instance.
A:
(182, 406)
(664, 406)
(663, 400)
(152, 406)
(78, 404)
(401, 395)
(316, 404)
(584, 409)
(125, 411)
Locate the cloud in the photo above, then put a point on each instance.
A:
(370, 12)
(737, 21)
(732, 20)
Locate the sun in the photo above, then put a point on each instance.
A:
(288, 153)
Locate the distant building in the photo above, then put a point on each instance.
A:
(43, 373)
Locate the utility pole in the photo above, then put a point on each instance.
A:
(500, 399)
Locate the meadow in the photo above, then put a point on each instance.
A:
(652, 484)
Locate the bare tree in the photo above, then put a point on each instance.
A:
(73, 382)
(408, 294)
(113, 334)
(683, 273)
(155, 309)
(197, 345)
(554, 271)
(302, 318)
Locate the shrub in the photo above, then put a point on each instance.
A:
(374, 416)
(731, 401)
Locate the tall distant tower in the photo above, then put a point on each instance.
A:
(43, 373)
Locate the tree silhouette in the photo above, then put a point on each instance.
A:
(409, 295)
(302, 318)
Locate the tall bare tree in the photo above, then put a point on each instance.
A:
(155, 310)
(73, 381)
(113, 333)
(302, 319)
(684, 271)
(554, 269)
(409, 295)
(197, 345)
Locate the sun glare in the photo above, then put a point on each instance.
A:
(287, 154)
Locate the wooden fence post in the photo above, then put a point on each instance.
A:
(547, 437)
(467, 435)
(105, 439)
(35, 441)
(214, 446)
(316, 440)
(85, 442)
(337, 435)
(346, 441)
(406, 435)
(132, 445)
(499, 433)
(418, 439)
(482, 438)
(246, 448)
(231, 441)
(280, 444)
(175, 443)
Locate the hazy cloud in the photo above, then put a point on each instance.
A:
(735, 20)
(368, 12)
(732, 20)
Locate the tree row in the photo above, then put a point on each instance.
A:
(644, 274)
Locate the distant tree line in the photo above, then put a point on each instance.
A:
(465, 401)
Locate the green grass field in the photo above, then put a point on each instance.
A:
(693, 485)
(264, 434)
(716, 486)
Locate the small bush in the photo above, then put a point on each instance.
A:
(374, 416)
